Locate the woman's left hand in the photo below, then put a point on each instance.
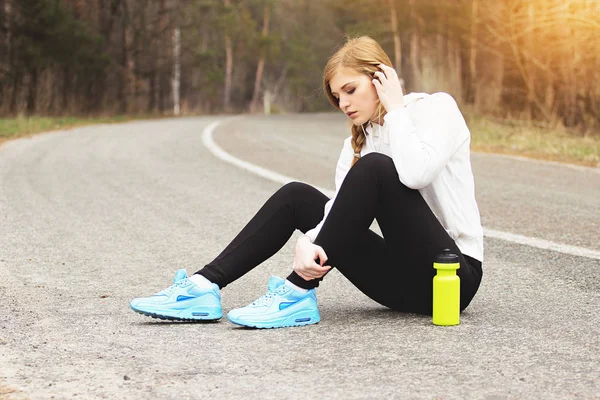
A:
(388, 88)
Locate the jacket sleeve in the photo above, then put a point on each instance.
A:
(343, 166)
(421, 152)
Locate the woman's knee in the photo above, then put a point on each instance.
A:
(306, 202)
(300, 190)
(294, 188)
(376, 161)
(380, 164)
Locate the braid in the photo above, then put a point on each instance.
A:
(358, 134)
(358, 140)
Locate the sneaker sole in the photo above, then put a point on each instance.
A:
(302, 318)
(208, 316)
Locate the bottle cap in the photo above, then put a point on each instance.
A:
(447, 257)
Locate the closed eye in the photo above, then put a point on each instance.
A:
(349, 92)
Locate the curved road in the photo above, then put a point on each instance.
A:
(91, 217)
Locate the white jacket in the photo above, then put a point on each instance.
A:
(428, 141)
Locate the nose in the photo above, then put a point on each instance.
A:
(344, 103)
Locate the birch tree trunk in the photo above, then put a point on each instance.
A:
(572, 60)
(162, 55)
(124, 81)
(490, 77)
(176, 69)
(595, 78)
(548, 86)
(261, 62)
(414, 48)
(397, 43)
(267, 102)
(473, 55)
(529, 74)
(228, 67)
(149, 31)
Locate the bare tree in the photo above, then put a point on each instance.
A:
(254, 105)
(534, 60)
(176, 81)
(164, 46)
(176, 68)
(397, 43)
(228, 65)
(473, 54)
(490, 59)
(123, 88)
(415, 46)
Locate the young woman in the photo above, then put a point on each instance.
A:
(406, 163)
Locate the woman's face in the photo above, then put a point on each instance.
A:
(356, 93)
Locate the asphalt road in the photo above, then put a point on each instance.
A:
(92, 217)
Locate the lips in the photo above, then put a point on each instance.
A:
(351, 114)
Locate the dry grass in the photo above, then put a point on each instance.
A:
(12, 128)
(545, 144)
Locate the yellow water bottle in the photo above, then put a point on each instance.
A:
(446, 289)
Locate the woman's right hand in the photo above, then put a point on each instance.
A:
(304, 259)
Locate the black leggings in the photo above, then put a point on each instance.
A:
(396, 270)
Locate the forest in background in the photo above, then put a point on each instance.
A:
(536, 61)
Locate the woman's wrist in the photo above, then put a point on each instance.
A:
(305, 236)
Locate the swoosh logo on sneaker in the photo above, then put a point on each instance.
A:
(284, 305)
(182, 298)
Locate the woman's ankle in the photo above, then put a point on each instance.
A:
(298, 281)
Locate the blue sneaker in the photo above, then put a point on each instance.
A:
(281, 306)
(182, 301)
